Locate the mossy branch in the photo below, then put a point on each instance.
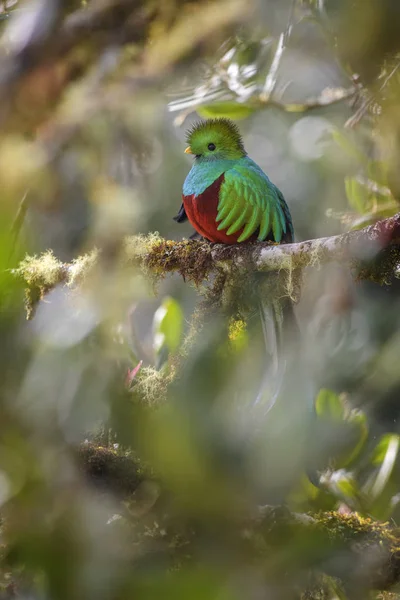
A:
(373, 253)
(360, 553)
(109, 470)
(195, 260)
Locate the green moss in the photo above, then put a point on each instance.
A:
(42, 273)
(324, 588)
(80, 267)
(349, 527)
(152, 385)
(110, 470)
(237, 328)
(361, 533)
(382, 269)
(325, 535)
(32, 297)
(158, 257)
(224, 274)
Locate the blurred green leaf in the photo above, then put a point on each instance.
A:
(329, 405)
(349, 147)
(305, 494)
(168, 325)
(359, 420)
(343, 486)
(387, 446)
(347, 487)
(377, 170)
(196, 584)
(382, 485)
(346, 431)
(382, 212)
(229, 110)
(357, 194)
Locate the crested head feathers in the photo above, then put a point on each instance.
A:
(221, 133)
(223, 125)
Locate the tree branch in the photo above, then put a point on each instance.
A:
(196, 259)
(373, 253)
(108, 470)
(360, 245)
(60, 49)
(363, 554)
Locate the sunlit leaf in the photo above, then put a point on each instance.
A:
(388, 444)
(329, 405)
(343, 486)
(167, 325)
(381, 485)
(359, 421)
(229, 110)
(347, 488)
(306, 494)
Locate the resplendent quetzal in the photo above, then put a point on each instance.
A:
(228, 199)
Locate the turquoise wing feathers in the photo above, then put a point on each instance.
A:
(249, 200)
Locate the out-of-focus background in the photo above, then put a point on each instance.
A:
(131, 464)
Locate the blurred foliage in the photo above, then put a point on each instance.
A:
(134, 459)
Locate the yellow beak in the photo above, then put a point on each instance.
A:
(188, 150)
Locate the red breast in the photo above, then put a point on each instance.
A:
(202, 211)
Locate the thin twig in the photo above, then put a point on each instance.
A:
(328, 97)
(359, 114)
(270, 81)
(272, 76)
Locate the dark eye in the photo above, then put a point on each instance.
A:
(211, 147)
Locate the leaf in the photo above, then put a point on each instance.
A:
(377, 170)
(329, 405)
(303, 493)
(229, 110)
(359, 421)
(382, 485)
(386, 444)
(357, 194)
(343, 486)
(382, 212)
(348, 146)
(167, 326)
(347, 488)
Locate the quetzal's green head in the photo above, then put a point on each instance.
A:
(215, 139)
